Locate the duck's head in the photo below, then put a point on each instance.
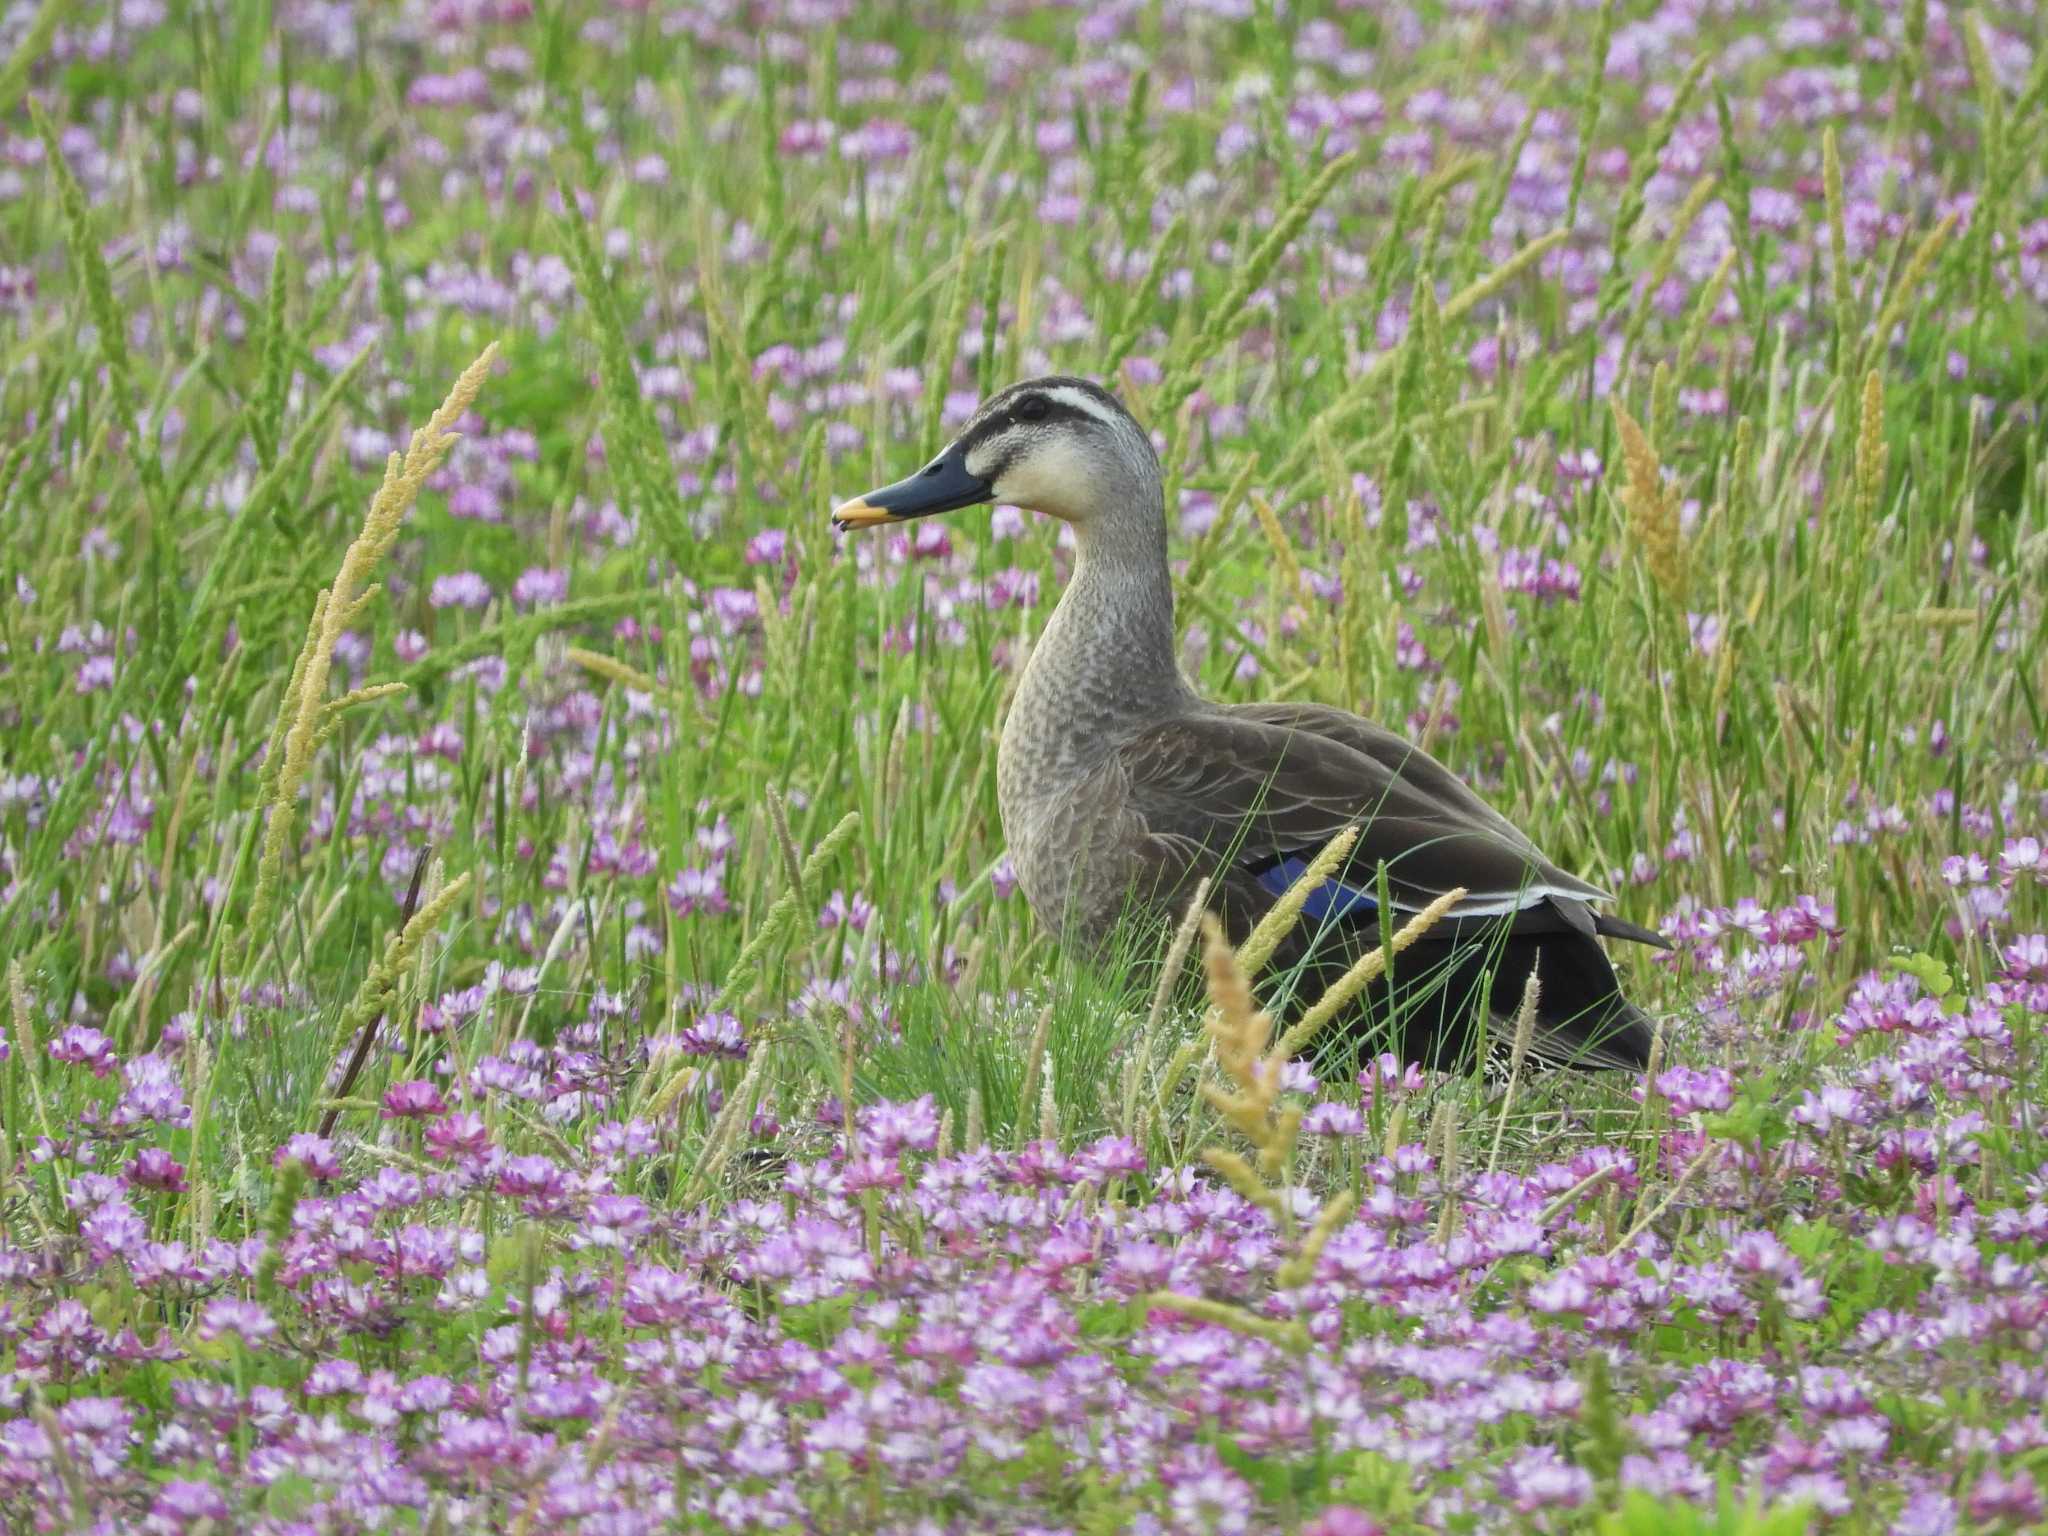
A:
(1056, 445)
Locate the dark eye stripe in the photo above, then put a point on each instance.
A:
(1056, 413)
(1057, 410)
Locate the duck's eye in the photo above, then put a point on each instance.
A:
(1032, 408)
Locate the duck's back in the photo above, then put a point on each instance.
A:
(1247, 795)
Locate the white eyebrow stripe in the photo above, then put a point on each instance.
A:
(1082, 401)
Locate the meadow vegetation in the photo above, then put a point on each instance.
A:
(518, 1018)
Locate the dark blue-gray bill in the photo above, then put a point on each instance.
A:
(944, 485)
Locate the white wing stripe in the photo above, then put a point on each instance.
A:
(1514, 901)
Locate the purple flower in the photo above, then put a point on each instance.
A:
(153, 1089)
(2014, 1500)
(1965, 869)
(182, 1503)
(1343, 1520)
(615, 1221)
(734, 608)
(458, 1136)
(1693, 1092)
(888, 1128)
(464, 88)
(872, 1170)
(413, 1100)
(1111, 1157)
(537, 1183)
(93, 675)
(698, 890)
(442, 740)
(1388, 1080)
(1539, 1478)
(334, 1378)
(1823, 1109)
(154, 1168)
(82, 1046)
(1205, 1495)
(2023, 856)
(839, 911)
(114, 1228)
(1333, 1118)
(1012, 588)
(248, 1321)
(715, 1034)
(2026, 958)
(452, 1009)
(476, 502)
(537, 587)
(1003, 879)
(316, 1152)
(806, 136)
(65, 1337)
(1580, 464)
(880, 139)
(1926, 1513)
(1541, 576)
(463, 589)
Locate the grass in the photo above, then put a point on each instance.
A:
(1758, 369)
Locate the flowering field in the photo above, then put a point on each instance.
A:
(518, 1017)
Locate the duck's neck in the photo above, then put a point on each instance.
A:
(1104, 666)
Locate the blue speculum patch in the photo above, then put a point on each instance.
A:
(1333, 898)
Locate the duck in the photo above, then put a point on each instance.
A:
(1121, 787)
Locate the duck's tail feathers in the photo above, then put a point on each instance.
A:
(1616, 1040)
(1611, 927)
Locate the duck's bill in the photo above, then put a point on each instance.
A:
(944, 485)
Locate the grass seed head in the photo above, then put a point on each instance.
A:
(1652, 507)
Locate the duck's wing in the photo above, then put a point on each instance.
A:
(1256, 791)
(1400, 759)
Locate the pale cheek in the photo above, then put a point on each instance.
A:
(1032, 491)
(1046, 482)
